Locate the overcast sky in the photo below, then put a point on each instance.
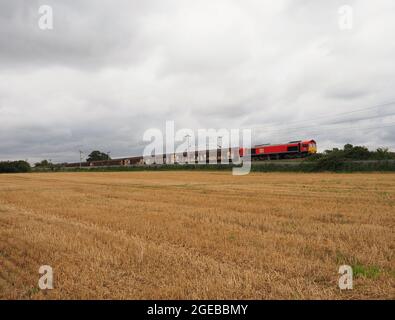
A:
(109, 70)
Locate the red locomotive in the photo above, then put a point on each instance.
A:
(293, 149)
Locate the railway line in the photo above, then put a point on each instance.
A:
(290, 150)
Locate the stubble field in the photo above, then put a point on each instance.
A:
(197, 235)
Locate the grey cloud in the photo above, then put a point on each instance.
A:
(112, 69)
(86, 35)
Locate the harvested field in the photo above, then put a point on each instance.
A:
(197, 235)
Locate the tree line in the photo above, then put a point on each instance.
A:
(24, 166)
(331, 160)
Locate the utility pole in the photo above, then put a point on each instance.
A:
(219, 142)
(187, 136)
(81, 152)
(207, 154)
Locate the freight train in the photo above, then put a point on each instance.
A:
(293, 149)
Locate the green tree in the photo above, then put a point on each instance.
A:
(97, 156)
(43, 164)
(332, 159)
(14, 166)
(348, 147)
(383, 153)
(357, 152)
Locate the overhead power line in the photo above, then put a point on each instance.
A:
(322, 125)
(334, 115)
(321, 132)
